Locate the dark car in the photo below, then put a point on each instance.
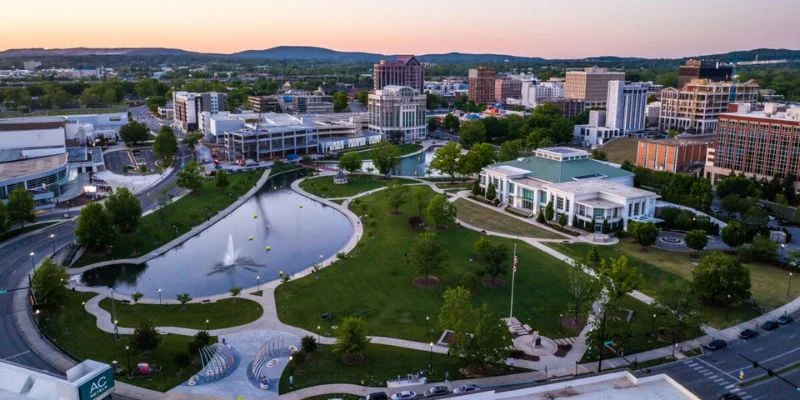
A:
(785, 319)
(437, 391)
(377, 396)
(748, 334)
(716, 344)
(466, 388)
(730, 396)
(770, 325)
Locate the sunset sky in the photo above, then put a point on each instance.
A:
(543, 28)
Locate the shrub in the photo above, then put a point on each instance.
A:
(415, 222)
(145, 336)
(308, 344)
(299, 357)
(182, 360)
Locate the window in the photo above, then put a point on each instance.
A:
(559, 203)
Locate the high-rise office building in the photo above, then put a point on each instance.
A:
(697, 69)
(625, 109)
(397, 113)
(264, 104)
(399, 71)
(696, 107)
(534, 93)
(188, 107)
(591, 85)
(481, 85)
(507, 88)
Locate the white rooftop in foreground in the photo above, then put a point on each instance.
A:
(614, 386)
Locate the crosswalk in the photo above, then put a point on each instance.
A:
(716, 376)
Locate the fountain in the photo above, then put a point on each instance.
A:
(231, 254)
(232, 259)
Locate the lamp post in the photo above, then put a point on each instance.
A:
(83, 307)
(320, 260)
(560, 318)
(430, 361)
(726, 307)
(128, 356)
(116, 330)
(53, 242)
(318, 336)
(37, 324)
(159, 297)
(789, 286)
(653, 326)
(33, 263)
(427, 325)
(258, 282)
(206, 325)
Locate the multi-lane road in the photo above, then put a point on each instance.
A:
(16, 262)
(716, 373)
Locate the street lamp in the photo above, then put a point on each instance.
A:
(560, 318)
(53, 242)
(727, 306)
(83, 307)
(258, 282)
(33, 263)
(37, 324)
(159, 297)
(427, 325)
(653, 326)
(116, 330)
(320, 260)
(789, 286)
(128, 356)
(206, 325)
(430, 362)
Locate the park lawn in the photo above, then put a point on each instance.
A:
(455, 185)
(224, 313)
(323, 186)
(405, 149)
(76, 332)
(374, 282)
(162, 226)
(661, 266)
(619, 150)
(380, 364)
(485, 218)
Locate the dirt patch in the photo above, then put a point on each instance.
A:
(563, 349)
(353, 359)
(493, 282)
(572, 324)
(394, 213)
(426, 283)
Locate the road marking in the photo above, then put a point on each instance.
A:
(717, 369)
(718, 380)
(17, 355)
(758, 349)
(713, 375)
(697, 368)
(734, 390)
(729, 386)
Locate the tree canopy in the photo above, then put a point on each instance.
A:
(190, 177)
(385, 156)
(493, 256)
(350, 161)
(720, 279)
(134, 132)
(20, 207)
(124, 209)
(48, 283)
(426, 254)
(351, 338)
(440, 211)
(447, 159)
(165, 146)
(95, 228)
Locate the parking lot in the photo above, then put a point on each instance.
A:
(124, 162)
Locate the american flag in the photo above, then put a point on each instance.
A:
(515, 263)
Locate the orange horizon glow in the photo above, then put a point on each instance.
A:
(572, 29)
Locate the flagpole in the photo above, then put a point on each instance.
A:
(513, 276)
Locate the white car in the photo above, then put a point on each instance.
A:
(405, 394)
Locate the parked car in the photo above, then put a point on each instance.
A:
(770, 325)
(730, 396)
(748, 334)
(466, 388)
(437, 391)
(716, 344)
(785, 319)
(377, 396)
(405, 394)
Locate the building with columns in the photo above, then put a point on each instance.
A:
(588, 191)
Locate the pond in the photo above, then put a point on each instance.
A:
(416, 165)
(276, 230)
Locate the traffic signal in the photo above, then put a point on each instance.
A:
(741, 376)
(769, 372)
(755, 364)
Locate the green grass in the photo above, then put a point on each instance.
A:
(619, 150)
(659, 267)
(28, 228)
(281, 168)
(162, 226)
(224, 313)
(323, 186)
(65, 111)
(76, 331)
(485, 218)
(455, 185)
(380, 363)
(405, 149)
(375, 282)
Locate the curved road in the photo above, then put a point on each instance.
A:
(16, 263)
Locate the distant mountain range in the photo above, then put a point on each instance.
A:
(323, 54)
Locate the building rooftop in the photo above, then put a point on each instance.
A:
(790, 114)
(554, 171)
(595, 186)
(683, 140)
(31, 166)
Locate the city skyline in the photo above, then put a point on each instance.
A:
(576, 29)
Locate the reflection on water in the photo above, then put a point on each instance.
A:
(276, 230)
(411, 166)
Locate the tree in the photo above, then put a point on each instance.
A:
(510, 150)
(493, 256)
(183, 298)
(145, 337)
(191, 140)
(397, 195)
(562, 220)
(136, 297)
(350, 161)
(222, 179)
(165, 146)
(733, 234)
(48, 283)
(440, 212)
(451, 123)
(472, 132)
(433, 124)
(583, 290)
(491, 192)
(419, 196)
(20, 207)
(457, 314)
(762, 249)
(426, 254)
(490, 341)
(124, 209)
(447, 160)
(385, 156)
(549, 211)
(190, 177)
(235, 291)
(481, 155)
(95, 228)
(340, 101)
(619, 277)
(363, 97)
(593, 257)
(720, 279)
(599, 155)
(476, 187)
(3, 217)
(678, 302)
(308, 344)
(644, 233)
(696, 239)
(134, 132)
(351, 339)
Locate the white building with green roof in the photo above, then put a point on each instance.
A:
(586, 190)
